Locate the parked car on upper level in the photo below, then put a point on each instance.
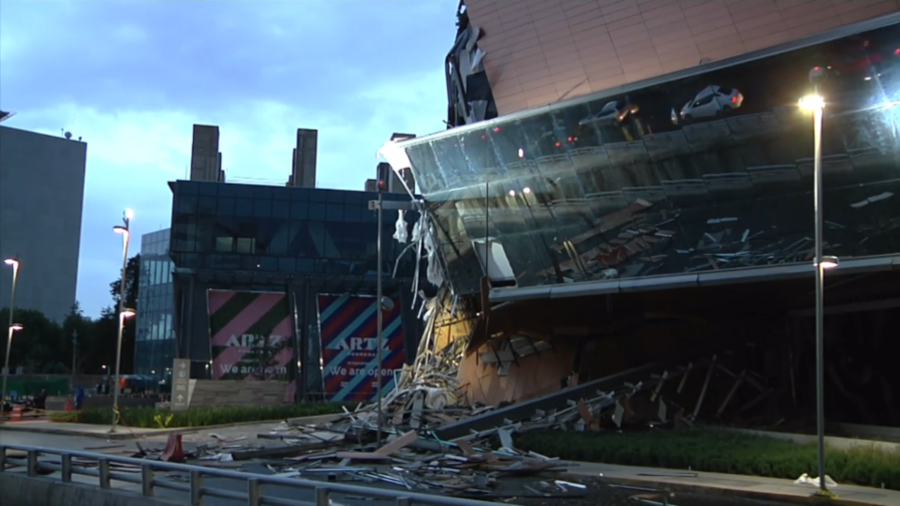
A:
(712, 101)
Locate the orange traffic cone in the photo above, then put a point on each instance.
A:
(70, 406)
(173, 452)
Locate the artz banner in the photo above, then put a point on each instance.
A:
(348, 325)
(252, 335)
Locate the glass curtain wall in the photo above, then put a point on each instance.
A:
(155, 339)
(708, 172)
(281, 229)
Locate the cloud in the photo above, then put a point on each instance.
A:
(131, 78)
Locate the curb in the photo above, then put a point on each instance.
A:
(127, 434)
(720, 491)
(71, 432)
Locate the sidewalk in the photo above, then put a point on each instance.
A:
(746, 486)
(81, 429)
(126, 433)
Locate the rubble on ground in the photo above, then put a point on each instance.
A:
(433, 440)
(479, 457)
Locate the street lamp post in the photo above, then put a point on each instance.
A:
(123, 313)
(382, 303)
(13, 328)
(380, 316)
(14, 263)
(816, 104)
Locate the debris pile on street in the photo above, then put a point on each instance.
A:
(432, 443)
(430, 439)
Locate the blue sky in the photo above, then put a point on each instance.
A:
(132, 77)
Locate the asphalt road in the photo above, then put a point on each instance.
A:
(509, 491)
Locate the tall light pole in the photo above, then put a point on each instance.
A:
(382, 303)
(379, 309)
(816, 104)
(126, 236)
(14, 263)
(13, 328)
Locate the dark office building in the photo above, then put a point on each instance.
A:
(268, 252)
(41, 201)
(154, 337)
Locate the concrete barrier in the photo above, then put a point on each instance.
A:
(20, 490)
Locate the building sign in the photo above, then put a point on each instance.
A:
(252, 335)
(349, 329)
(181, 381)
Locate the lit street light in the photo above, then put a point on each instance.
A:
(14, 263)
(816, 104)
(13, 328)
(123, 315)
(124, 229)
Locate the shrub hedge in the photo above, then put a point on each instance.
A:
(151, 418)
(719, 451)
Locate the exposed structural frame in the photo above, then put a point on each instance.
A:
(253, 496)
(670, 281)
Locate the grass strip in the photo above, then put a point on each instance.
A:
(152, 418)
(719, 451)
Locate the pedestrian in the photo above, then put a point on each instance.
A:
(79, 397)
(40, 400)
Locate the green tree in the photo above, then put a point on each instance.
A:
(36, 346)
(102, 343)
(132, 279)
(75, 323)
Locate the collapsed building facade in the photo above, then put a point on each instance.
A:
(656, 230)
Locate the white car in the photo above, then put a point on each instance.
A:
(612, 112)
(712, 101)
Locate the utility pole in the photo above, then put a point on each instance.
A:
(381, 205)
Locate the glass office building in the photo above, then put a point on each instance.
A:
(697, 173)
(154, 335)
(298, 241)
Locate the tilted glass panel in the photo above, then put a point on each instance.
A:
(711, 171)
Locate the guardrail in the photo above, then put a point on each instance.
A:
(254, 494)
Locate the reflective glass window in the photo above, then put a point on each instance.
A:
(317, 211)
(225, 206)
(243, 207)
(262, 208)
(299, 210)
(281, 209)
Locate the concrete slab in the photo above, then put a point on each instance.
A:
(745, 486)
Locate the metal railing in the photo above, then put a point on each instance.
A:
(256, 484)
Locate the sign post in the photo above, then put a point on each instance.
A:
(181, 379)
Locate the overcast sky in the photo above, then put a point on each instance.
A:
(132, 77)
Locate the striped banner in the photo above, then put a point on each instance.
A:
(349, 329)
(251, 336)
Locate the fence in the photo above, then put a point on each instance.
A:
(254, 494)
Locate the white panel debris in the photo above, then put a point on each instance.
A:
(433, 274)
(401, 234)
(395, 155)
(873, 199)
(806, 479)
